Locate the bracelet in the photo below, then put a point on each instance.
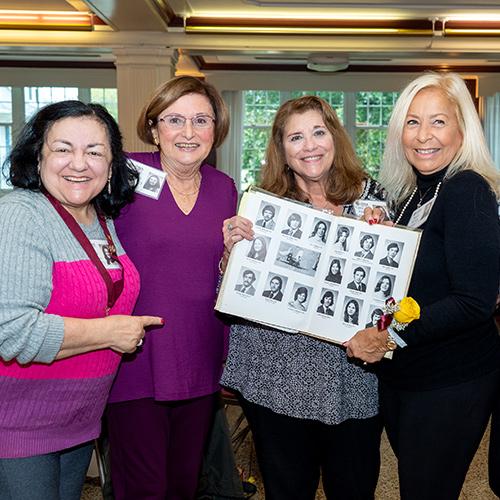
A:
(221, 272)
(395, 338)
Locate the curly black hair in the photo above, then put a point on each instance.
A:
(24, 157)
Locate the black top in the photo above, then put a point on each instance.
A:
(455, 281)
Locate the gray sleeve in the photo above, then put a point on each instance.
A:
(26, 332)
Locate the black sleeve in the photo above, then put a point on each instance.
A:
(471, 261)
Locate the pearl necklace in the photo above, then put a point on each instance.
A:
(420, 202)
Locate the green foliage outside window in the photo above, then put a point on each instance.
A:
(373, 110)
(369, 121)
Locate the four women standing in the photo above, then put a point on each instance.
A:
(436, 394)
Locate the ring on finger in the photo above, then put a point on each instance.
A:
(140, 342)
(229, 227)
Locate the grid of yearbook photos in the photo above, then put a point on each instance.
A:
(312, 272)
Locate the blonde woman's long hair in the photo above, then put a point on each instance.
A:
(397, 175)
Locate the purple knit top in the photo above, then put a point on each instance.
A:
(177, 258)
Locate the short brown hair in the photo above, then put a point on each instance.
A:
(167, 93)
(345, 178)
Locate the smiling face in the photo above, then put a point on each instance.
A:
(343, 236)
(392, 252)
(351, 309)
(267, 215)
(431, 135)
(308, 146)
(75, 162)
(301, 297)
(257, 245)
(358, 277)
(187, 147)
(385, 284)
(367, 243)
(327, 300)
(334, 268)
(321, 229)
(248, 279)
(275, 285)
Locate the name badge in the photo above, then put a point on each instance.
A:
(421, 214)
(151, 180)
(359, 206)
(102, 251)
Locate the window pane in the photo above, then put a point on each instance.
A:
(370, 148)
(373, 109)
(6, 105)
(5, 147)
(5, 132)
(335, 99)
(108, 98)
(37, 97)
(260, 106)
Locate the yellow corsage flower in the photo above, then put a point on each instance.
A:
(408, 311)
(399, 314)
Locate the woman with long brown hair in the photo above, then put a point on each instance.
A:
(311, 410)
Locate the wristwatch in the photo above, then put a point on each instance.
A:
(390, 343)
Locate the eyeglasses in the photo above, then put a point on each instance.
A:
(177, 122)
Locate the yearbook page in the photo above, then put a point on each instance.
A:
(312, 272)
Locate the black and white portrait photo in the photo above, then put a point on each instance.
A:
(101, 248)
(247, 280)
(152, 183)
(342, 238)
(352, 308)
(359, 279)
(335, 270)
(374, 315)
(300, 297)
(384, 286)
(108, 258)
(258, 248)
(275, 287)
(293, 223)
(268, 214)
(327, 302)
(394, 250)
(367, 244)
(319, 232)
(297, 258)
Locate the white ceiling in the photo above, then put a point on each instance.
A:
(136, 22)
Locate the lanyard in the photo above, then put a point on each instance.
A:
(114, 288)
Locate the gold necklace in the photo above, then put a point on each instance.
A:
(187, 194)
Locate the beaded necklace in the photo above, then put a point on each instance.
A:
(420, 202)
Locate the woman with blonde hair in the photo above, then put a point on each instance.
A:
(438, 391)
(311, 411)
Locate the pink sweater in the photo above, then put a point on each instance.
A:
(49, 407)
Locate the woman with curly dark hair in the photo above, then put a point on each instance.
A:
(64, 310)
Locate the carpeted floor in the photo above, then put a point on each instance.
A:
(475, 488)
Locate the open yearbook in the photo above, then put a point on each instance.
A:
(312, 272)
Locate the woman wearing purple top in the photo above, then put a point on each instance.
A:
(162, 401)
